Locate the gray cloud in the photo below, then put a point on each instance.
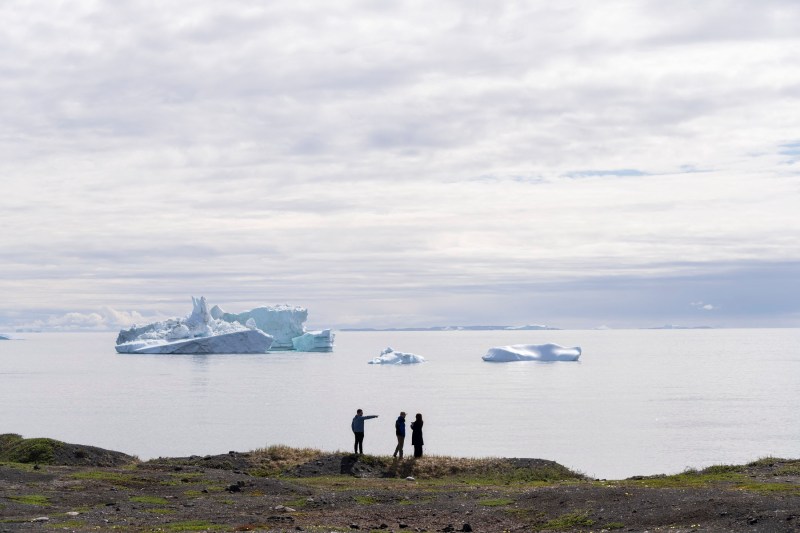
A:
(415, 159)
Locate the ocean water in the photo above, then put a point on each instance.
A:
(638, 401)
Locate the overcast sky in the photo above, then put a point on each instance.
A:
(401, 163)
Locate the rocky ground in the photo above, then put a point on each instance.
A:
(89, 489)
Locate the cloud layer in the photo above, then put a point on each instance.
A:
(401, 163)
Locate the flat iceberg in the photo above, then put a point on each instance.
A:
(390, 357)
(314, 341)
(4, 337)
(198, 333)
(532, 352)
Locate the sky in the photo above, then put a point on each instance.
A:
(576, 163)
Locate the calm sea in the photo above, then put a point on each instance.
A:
(638, 402)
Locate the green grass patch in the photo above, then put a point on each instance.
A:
(495, 502)
(31, 499)
(336, 529)
(694, 479)
(491, 471)
(15, 449)
(194, 525)
(726, 476)
(69, 524)
(25, 467)
(568, 521)
(153, 500)
(418, 501)
(188, 477)
(117, 478)
(365, 500)
(296, 503)
(755, 486)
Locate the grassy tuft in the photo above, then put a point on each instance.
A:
(153, 500)
(490, 470)
(296, 503)
(277, 458)
(569, 521)
(24, 467)
(791, 468)
(765, 461)
(69, 524)
(104, 475)
(15, 449)
(782, 467)
(31, 499)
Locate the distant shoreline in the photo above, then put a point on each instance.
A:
(517, 328)
(458, 328)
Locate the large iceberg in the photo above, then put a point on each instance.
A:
(197, 333)
(390, 357)
(532, 352)
(285, 324)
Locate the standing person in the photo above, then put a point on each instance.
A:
(357, 425)
(416, 435)
(400, 431)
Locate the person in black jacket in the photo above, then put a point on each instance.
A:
(400, 431)
(416, 435)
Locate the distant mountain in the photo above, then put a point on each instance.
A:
(529, 327)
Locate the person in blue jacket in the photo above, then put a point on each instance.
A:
(357, 425)
(400, 431)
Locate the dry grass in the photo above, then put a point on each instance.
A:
(279, 457)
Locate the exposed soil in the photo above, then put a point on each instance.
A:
(342, 492)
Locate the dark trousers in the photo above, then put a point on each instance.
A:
(358, 447)
(399, 448)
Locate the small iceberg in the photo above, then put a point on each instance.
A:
(390, 357)
(532, 352)
(4, 337)
(198, 333)
(314, 341)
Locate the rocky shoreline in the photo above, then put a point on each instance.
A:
(47, 484)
